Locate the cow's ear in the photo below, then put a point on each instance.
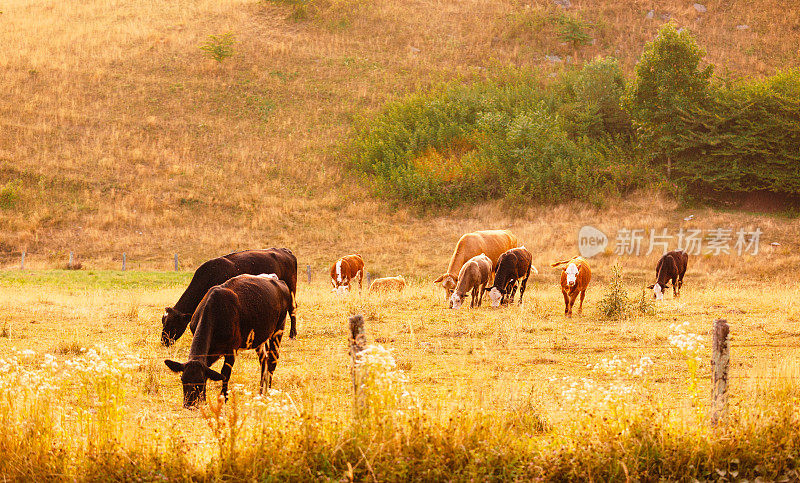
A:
(214, 375)
(651, 286)
(175, 366)
(440, 278)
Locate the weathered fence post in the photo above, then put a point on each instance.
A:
(22, 261)
(176, 262)
(308, 271)
(358, 342)
(69, 264)
(720, 357)
(369, 278)
(123, 261)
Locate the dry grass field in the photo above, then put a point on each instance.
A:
(117, 134)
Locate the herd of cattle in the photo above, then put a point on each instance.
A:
(241, 300)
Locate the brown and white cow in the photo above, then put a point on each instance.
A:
(574, 279)
(671, 267)
(513, 269)
(473, 277)
(492, 243)
(346, 269)
(246, 312)
(388, 284)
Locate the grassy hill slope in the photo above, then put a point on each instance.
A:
(118, 134)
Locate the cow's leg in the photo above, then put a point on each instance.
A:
(566, 302)
(580, 306)
(675, 291)
(522, 286)
(272, 358)
(262, 352)
(360, 276)
(472, 298)
(227, 367)
(480, 294)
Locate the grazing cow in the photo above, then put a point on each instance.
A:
(513, 269)
(246, 312)
(492, 243)
(347, 268)
(574, 279)
(474, 276)
(388, 284)
(672, 266)
(280, 261)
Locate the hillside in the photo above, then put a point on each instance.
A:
(119, 134)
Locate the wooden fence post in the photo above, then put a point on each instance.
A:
(22, 261)
(369, 278)
(720, 357)
(123, 261)
(358, 342)
(176, 262)
(308, 271)
(69, 264)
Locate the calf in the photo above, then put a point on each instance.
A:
(574, 279)
(513, 269)
(492, 243)
(474, 276)
(347, 268)
(279, 261)
(672, 266)
(245, 312)
(388, 284)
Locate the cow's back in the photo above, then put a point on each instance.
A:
(280, 261)
(264, 304)
(491, 242)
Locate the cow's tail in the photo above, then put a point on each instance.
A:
(562, 262)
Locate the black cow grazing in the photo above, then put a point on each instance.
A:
(246, 312)
(513, 269)
(672, 266)
(280, 261)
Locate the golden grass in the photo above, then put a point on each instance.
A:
(126, 138)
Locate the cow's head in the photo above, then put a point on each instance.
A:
(456, 300)
(658, 291)
(448, 284)
(173, 325)
(496, 296)
(572, 274)
(193, 377)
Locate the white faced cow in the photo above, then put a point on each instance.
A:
(474, 276)
(491, 243)
(671, 267)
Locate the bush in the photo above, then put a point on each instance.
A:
(668, 82)
(614, 304)
(219, 47)
(516, 139)
(746, 140)
(9, 193)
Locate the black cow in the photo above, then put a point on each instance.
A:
(280, 261)
(672, 266)
(513, 268)
(246, 312)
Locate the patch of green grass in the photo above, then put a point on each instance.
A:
(94, 279)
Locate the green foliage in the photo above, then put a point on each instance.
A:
(219, 47)
(9, 193)
(645, 304)
(615, 304)
(514, 139)
(668, 82)
(573, 30)
(746, 139)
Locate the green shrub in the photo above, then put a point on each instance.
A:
(219, 47)
(9, 193)
(516, 139)
(747, 139)
(668, 82)
(614, 304)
